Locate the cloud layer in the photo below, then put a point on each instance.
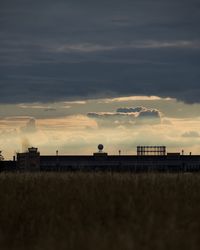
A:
(67, 50)
(81, 135)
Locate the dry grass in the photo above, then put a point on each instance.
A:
(99, 211)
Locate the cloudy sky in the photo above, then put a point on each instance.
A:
(77, 73)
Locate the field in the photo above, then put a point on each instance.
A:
(99, 211)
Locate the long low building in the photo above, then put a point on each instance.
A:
(100, 161)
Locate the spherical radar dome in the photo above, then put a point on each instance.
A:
(100, 147)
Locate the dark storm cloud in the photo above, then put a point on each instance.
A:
(149, 116)
(131, 110)
(127, 116)
(111, 115)
(57, 50)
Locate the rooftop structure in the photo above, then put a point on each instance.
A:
(151, 150)
(100, 153)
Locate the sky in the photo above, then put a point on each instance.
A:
(74, 74)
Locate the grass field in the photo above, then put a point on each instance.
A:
(99, 211)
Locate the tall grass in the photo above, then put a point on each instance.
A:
(99, 211)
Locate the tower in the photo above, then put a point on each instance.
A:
(29, 161)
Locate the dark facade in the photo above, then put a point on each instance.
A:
(121, 163)
(8, 166)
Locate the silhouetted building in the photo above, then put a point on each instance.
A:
(101, 161)
(29, 161)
